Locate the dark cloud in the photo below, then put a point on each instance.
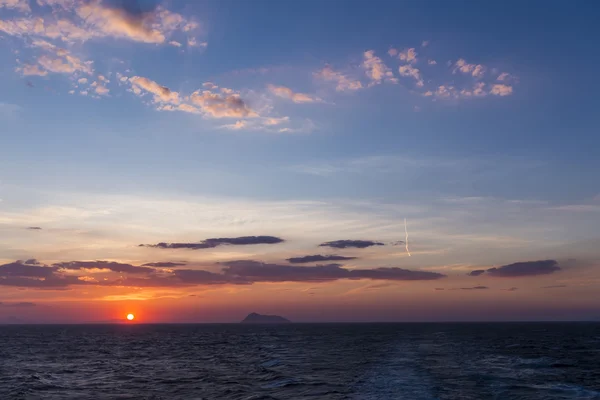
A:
(439, 288)
(200, 277)
(25, 269)
(526, 268)
(242, 272)
(51, 282)
(475, 288)
(343, 244)
(215, 242)
(553, 287)
(164, 264)
(110, 265)
(477, 272)
(34, 228)
(28, 83)
(20, 304)
(512, 289)
(318, 258)
(262, 272)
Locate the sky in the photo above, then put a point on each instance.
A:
(377, 161)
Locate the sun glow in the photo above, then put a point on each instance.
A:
(130, 317)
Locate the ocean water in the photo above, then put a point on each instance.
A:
(301, 361)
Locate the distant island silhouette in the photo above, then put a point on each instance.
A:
(254, 318)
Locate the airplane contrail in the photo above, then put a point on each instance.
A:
(406, 237)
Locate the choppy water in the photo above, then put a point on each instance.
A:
(301, 361)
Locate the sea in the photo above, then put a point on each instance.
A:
(301, 361)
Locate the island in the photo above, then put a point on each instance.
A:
(254, 318)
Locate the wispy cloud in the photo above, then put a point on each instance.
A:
(19, 5)
(342, 81)
(521, 269)
(318, 258)
(348, 243)
(215, 242)
(287, 93)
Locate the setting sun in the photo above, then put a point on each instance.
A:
(130, 317)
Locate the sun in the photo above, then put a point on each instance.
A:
(130, 317)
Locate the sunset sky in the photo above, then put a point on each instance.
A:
(197, 161)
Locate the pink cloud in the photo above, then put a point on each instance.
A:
(501, 90)
(287, 93)
(162, 94)
(375, 68)
(343, 83)
(476, 70)
(408, 55)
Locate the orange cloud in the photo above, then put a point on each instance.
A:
(501, 90)
(409, 70)
(28, 70)
(375, 68)
(162, 94)
(343, 82)
(287, 93)
(67, 65)
(19, 5)
(476, 70)
(222, 106)
(408, 55)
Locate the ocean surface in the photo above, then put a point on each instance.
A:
(302, 361)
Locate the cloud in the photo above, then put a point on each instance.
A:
(359, 244)
(101, 90)
(410, 71)
(19, 5)
(20, 304)
(525, 268)
(512, 289)
(80, 21)
(475, 70)
(216, 242)
(475, 288)
(25, 269)
(222, 105)
(503, 76)
(162, 94)
(31, 70)
(431, 62)
(109, 265)
(61, 61)
(256, 271)
(376, 70)
(287, 93)
(242, 272)
(343, 82)
(200, 277)
(478, 90)
(146, 27)
(477, 272)
(501, 90)
(318, 257)
(553, 287)
(34, 228)
(163, 264)
(425, 43)
(408, 55)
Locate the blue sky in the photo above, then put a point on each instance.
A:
(476, 122)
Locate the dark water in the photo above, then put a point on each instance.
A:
(303, 361)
